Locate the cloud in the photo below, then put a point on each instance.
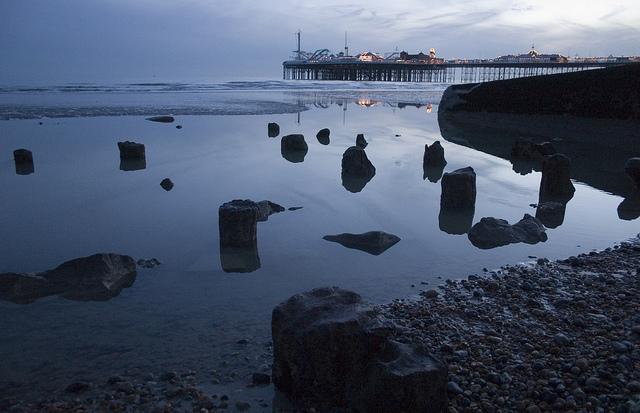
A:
(205, 39)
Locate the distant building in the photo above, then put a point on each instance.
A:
(421, 57)
(533, 57)
(369, 57)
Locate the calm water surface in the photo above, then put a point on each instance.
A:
(188, 313)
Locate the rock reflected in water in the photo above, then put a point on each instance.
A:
(132, 156)
(551, 213)
(323, 136)
(273, 129)
(293, 148)
(455, 221)
(162, 119)
(433, 162)
(555, 184)
(99, 277)
(357, 169)
(237, 222)
(629, 208)
(24, 161)
(133, 164)
(373, 242)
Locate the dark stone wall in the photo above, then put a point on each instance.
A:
(612, 93)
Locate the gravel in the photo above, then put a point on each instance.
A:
(549, 336)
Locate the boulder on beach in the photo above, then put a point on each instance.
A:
(632, 168)
(555, 184)
(323, 136)
(98, 277)
(493, 232)
(458, 189)
(166, 184)
(131, 150)
(162, 119)
(267, 208)
(373, 242)
(273, 129)
(361, 142)
(332, 351)
(293, 148)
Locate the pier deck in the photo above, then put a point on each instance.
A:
(449, 72)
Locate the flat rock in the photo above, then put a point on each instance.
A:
(98, 277)
(493, 232)
(162, 119)
(267, 208)
(373, 242)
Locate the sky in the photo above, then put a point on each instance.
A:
(63, 41)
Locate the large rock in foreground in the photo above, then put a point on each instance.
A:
(98, 277)
(332, 351)
(493, 232)
(373, 242)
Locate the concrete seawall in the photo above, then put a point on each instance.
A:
(612, 93)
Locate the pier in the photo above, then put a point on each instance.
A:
(446, 72)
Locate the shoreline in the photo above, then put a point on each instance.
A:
(549, 336)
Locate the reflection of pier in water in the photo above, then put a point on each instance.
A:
(324, 100)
